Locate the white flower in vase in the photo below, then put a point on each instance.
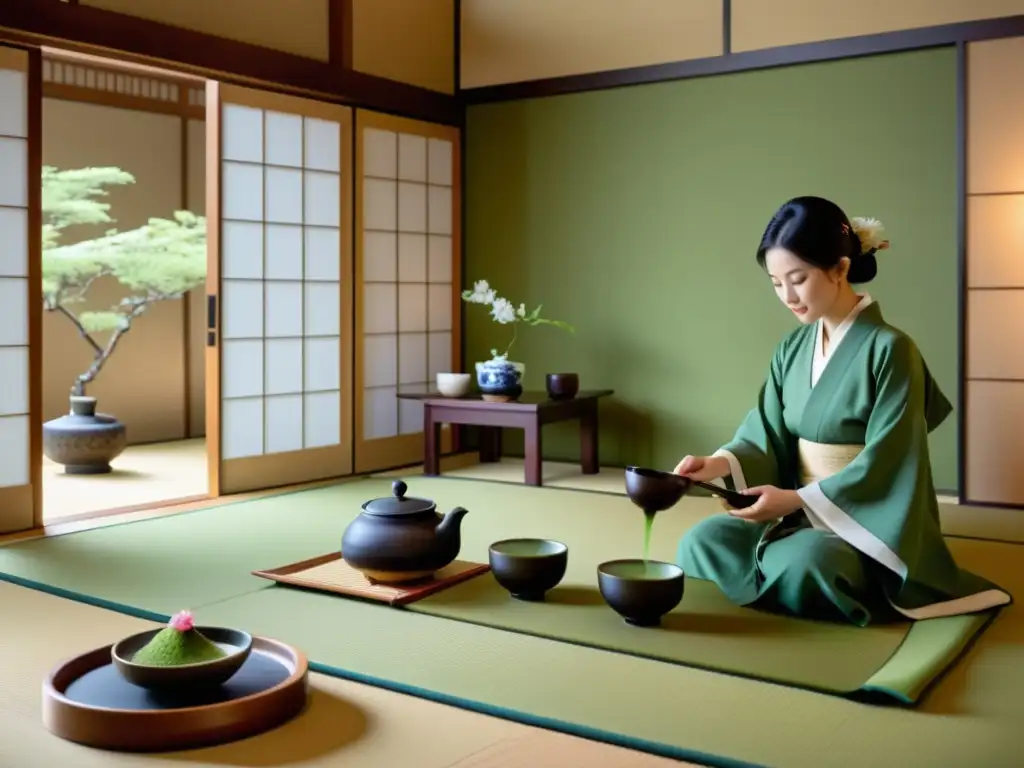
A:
(500, 376)
(502, 311)
(505, 312)
(481, 294)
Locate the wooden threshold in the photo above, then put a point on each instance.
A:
(91, 520)
(128, 509)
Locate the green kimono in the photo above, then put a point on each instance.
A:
(867, 544)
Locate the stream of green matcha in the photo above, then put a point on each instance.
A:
(648, 526)
(171, 647)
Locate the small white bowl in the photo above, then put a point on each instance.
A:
(453, 384)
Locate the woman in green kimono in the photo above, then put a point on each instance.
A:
(846, 523)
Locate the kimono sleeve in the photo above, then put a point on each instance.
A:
(882, 503)
(758, 452)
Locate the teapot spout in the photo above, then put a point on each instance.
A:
(448, 529)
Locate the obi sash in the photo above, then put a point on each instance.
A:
(816, 462)
(821, 460)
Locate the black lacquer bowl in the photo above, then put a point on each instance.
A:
(528, 568)
(655, 491)
(641, 591)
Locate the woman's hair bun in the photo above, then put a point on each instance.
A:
(818, 232)
(863, 268)
(868, 236)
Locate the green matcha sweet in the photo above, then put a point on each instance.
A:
(180, 643)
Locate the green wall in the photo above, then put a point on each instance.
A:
(634, 214)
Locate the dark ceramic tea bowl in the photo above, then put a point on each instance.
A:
(528, 568)
(641, 591)
(654, 490)
(562, 386)
(236, 645)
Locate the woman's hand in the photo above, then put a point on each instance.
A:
(703, 468)
(772, 504)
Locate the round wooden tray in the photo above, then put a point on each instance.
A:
(86, 700)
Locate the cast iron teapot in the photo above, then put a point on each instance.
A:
(401, 538)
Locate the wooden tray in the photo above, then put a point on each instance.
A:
(329, 573)
(86, 700)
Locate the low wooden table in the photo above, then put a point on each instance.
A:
(529, 413)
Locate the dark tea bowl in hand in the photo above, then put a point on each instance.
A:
(528, 568)
(562, 386)
(653, 490)
(641, 591)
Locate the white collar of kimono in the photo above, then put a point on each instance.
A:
(821, 357)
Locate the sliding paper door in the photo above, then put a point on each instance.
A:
(408, 258)
(21, 450)
(279, 346)
(993, 439)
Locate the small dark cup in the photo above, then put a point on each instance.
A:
(236, 644)
(641, 591)
(562, 386)
(528, 568)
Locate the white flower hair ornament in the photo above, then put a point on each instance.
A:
(870, 232)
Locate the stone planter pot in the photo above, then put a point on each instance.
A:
(84, 441)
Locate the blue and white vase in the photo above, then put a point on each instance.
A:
(499, 379)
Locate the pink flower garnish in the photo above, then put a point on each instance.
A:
(182, 621)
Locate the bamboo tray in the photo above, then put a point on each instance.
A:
(329, 573)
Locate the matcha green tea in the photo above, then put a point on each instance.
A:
(639, 570)
(179, 643)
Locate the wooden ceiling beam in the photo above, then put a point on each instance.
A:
(96, 31)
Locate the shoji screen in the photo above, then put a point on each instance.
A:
(994, 441)
(20, 292)
(407, 280)
(279, 372)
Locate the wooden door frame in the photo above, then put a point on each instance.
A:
(28, 61)
(34, 94)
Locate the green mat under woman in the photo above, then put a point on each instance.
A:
(846, 526)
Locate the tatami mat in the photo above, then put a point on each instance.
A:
(346, 725)
(971, 719)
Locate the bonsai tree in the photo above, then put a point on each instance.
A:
(161, 260)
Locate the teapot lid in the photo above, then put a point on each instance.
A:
(399, 504)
